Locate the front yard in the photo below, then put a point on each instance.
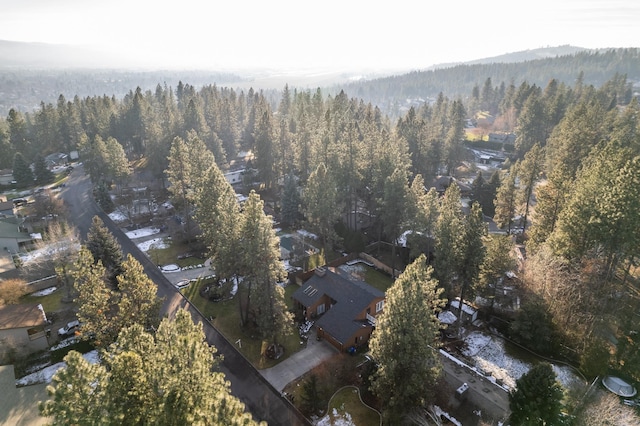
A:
(225, 316)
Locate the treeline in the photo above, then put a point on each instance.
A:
(576, 154)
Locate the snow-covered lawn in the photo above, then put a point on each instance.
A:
(336, 419)
(142, 232)
(46, 374)
(490, 356)
(117, 216)
(156, 243)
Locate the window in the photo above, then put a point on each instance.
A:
(379, 306)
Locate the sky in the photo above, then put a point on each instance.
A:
(331, 34)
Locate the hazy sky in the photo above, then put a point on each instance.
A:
(329, 33)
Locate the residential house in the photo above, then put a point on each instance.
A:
(503, 138)
(13, 237)
(22, 330)
(57, 159)
(441, 183)
(6, 177)
(344, 310)
(6, 208)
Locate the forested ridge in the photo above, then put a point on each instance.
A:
(592, 67)
(568, 187)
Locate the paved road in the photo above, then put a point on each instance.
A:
(260, 398)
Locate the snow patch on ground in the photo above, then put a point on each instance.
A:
(336, 419)
(142, 232)
(307, 234)
(44, 292)
(156, 243)
(64, 343)
(490, 356)
(46, 374)
(117, 216)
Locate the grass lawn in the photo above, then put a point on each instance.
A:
(169, 255)
(377, 279)
(50, 303)
(226, 318)
(346, 404)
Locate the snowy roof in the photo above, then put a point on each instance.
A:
(447, 317)
(466, 308)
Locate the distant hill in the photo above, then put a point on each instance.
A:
(522, 56)
(31, 73)
(395, 93)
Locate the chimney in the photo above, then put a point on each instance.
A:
(320, 271)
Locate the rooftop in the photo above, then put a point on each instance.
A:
(21, 316)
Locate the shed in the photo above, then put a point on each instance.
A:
(469, 313)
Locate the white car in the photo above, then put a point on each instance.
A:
(182, 284)
(69, 329)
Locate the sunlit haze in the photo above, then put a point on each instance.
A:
(336, 34)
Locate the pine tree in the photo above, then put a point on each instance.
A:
(472, 252)
(393, 206)
(528, 174)
(262, 270)
(290, 201)
(105, 248)
(449, 228)
(21, 171)
(169, 378)
(404, 340)
(94, 300)
(42, 173)
(137, 301)
(218, 215)
(537, 398)
(506, 200)
(321, 206)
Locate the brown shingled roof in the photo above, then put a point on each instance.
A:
(20, 316)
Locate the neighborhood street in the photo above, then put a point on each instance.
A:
(259, 396)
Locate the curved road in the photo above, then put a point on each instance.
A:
(247, 384)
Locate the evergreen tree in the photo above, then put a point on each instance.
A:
(94, 299)
(218, 215)
(497, 261)
(105, 248)
(393, 206)
(290, 201)
(529, 173)
(422, 213)
(42, 173)
(506, 200)
(403, 342)
(169, 378)
(105, 312)
(472, 252)
(310, 396)
(262, 270)
(21, 171)
(537, 400)
(137, 301)
(449, 229)
(321, 207)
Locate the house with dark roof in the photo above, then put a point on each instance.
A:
(22, 329)
(344, 310)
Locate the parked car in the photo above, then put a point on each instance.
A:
(69, 329)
